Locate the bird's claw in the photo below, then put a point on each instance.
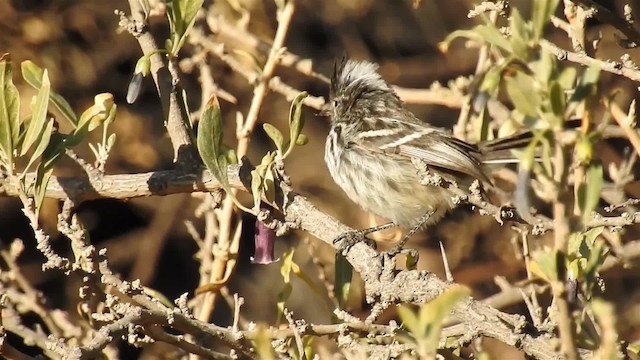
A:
(346, 240)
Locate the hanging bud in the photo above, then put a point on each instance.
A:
(265, 239)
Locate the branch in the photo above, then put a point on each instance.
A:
(167, 80)
(583, 59)
(382, 284)
(606, 16)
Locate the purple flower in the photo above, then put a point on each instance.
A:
(265, 239)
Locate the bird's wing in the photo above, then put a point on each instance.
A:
(434, 146)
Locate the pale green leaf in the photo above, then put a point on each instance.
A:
(42, 180)
(38, 115)
(493, 36)
(9, 110)
(519, 35)
(589, 192)
(32, 74)
(210, 142)
(542, 12)
(42, 143)
(545, 265)
(296, 120)
(275, 135)
(522, 93)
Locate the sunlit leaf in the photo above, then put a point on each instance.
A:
(589, 191)
(492, 35)
(285, 292)
(182, 15)
(426, 325)
(9, 110)
(605, 314)
(42, 143)
(587, 84)
(262, 343)
(42, 180)
(32, 74)
(275, 135)
(519, 34)
(296, 120)
(545, 265)
(443, 46)
(302, 140)
(542, 11)
(210, 142)
(521, 90)
(38, 115)
(567, 78)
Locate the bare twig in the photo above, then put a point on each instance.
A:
(610, 66)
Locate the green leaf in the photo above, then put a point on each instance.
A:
(256, 187)
(182, 15)
(589, 192)
(587, 84)
(468, 34)
(605, 314)
(42, 143)
(542, 11)
(343, 276)
(275, 135)
(38, 115)
(262, 342)
(545, 265)
(43, 175)
(210, 142)
(567, 78)
(302, 140)
(556, 97)
(426, 325)
(521, 90)
(33, 74)
(519, 35)
(296, 121)
(493, 36)
(9, 111)
(285, 292)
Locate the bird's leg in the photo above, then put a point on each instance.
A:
(400, 246)
(350, 238)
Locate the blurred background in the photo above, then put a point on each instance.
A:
(85, 53)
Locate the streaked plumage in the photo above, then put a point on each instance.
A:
(372, 140)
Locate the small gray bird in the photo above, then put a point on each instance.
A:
(372, 142)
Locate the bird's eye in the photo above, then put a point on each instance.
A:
(335, 103)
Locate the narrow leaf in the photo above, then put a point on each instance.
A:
(522, 94)
(342, 281)
(296, 121)
(519, 34)
(542, 11)
(42, 180)
(590, 191)
(32, 74)
(42, 143)
(9, 110)
(275, 135)
(210, 142)
(492, 35)
(38, 115)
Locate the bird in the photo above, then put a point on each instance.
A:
(374, 142)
